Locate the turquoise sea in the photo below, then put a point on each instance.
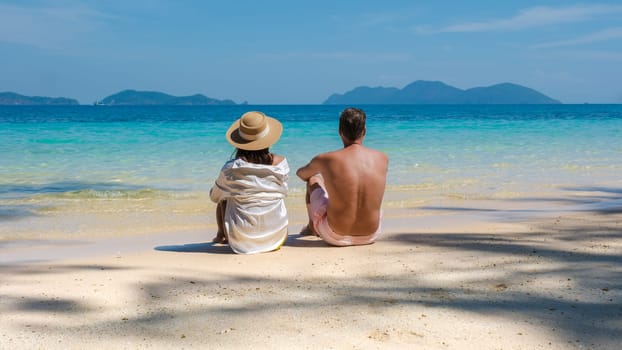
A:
(113, 162)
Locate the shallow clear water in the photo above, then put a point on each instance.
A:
(79, 153)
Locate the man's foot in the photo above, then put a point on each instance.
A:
(220, 238)
(308, 231)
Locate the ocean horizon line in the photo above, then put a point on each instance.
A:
(312, 104)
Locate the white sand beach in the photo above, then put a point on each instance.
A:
(522, 273)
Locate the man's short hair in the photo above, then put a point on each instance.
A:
(352, 123)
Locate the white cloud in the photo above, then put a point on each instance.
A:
(596, 55)
(581, 55)
(537, 17)
(47, 27)
(338, 56)
(603, 35)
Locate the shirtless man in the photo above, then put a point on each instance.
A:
(345, 187)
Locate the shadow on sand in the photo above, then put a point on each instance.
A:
(297, 241)
(206, 247)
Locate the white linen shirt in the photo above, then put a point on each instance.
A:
(255, 217)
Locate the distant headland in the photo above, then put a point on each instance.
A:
(12, 98)
(123, 98)
(155, 98)
(436, 92)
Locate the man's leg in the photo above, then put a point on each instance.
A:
(314, 182)
(221, 236)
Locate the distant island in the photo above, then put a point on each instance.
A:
(154, 98)
(15, 99)
(418, 92)
(436, 92)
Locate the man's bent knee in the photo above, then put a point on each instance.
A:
(313, 184)
(315, 181)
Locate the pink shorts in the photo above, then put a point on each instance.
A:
(317, 212)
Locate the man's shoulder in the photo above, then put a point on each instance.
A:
(344, 152)
(375, 152)
(379, 153)
(328, 155)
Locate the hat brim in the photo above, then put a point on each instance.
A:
(275, 129)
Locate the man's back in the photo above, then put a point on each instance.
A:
(355, 179)
(344, 203)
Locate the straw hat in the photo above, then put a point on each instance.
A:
(254, 131)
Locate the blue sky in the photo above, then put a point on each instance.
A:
(299, 52)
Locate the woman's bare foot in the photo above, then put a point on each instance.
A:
(220, 238)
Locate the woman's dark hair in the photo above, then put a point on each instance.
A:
(352, 123)
(262, 156)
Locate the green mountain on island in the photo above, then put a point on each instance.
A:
(154, 98)
(14, 99)
(436, 92)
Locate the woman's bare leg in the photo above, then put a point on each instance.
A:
(221, 235)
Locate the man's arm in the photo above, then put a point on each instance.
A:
(312, 168)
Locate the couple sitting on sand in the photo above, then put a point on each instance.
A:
(344, 188)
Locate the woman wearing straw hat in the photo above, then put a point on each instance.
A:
(251, 188)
